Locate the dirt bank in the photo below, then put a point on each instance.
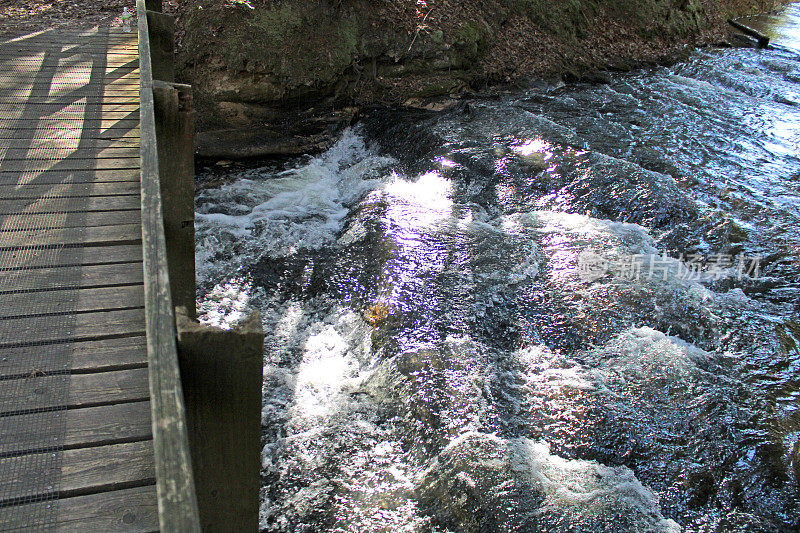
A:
(287, 73)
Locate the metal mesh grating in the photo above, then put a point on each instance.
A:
(54, 95)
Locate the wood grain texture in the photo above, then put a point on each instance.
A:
(11, 192)
(32, 259)
(91, 219)
(177, 501)
(123, 353)
(75, 204)
(85, 390)
(72, 236)
(74, 327)
(121, 511)
(221, 371)
(46, 123)
(71, 277)
(48, 152)
(70, 145)
(90, 426)
(81, 300)
(87, 471)
(86, 135)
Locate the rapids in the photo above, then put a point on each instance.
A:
(566, 308)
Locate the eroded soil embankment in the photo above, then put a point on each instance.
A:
(277, 77)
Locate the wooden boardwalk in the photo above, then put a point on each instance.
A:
(76, 449)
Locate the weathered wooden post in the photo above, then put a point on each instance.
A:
(175, 134)
(221, 372)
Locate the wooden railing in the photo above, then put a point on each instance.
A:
(207, 442)
(177, 502)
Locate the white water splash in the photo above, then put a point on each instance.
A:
(278, 214)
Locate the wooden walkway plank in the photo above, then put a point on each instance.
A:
(70, 190)
(53, 258)
(73, 327)
(68, 45)
(89, 470)
(113, 149)
(96, 100)
(51, 177)
(121, 353)
(121, 511)
(71, 277)
(28, 394)
(101, 299)
(67, 164)
(62, 257)
(72, 114)
(130, 79)
(33, 136)
(90, 426)
(63, 143)
(26, 222)
(75, 110)
(69, 204)
(82, 64)
(72, 236)
(95, 128)
(72, 93)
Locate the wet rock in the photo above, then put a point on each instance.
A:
(263, 143)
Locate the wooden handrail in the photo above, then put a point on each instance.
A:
(177, 502)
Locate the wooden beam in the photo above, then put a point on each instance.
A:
(175, 136)
(177, 502)
(161, 29)
(763, 40)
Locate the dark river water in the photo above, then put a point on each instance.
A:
(573, 308)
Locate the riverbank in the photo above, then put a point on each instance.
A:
(279, 78)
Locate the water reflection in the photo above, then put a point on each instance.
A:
(782, 27)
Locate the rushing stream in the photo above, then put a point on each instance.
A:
(572, 308)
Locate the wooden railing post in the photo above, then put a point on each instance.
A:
(175, 488)
(205, 389)
(175, 135)
(221, 372)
